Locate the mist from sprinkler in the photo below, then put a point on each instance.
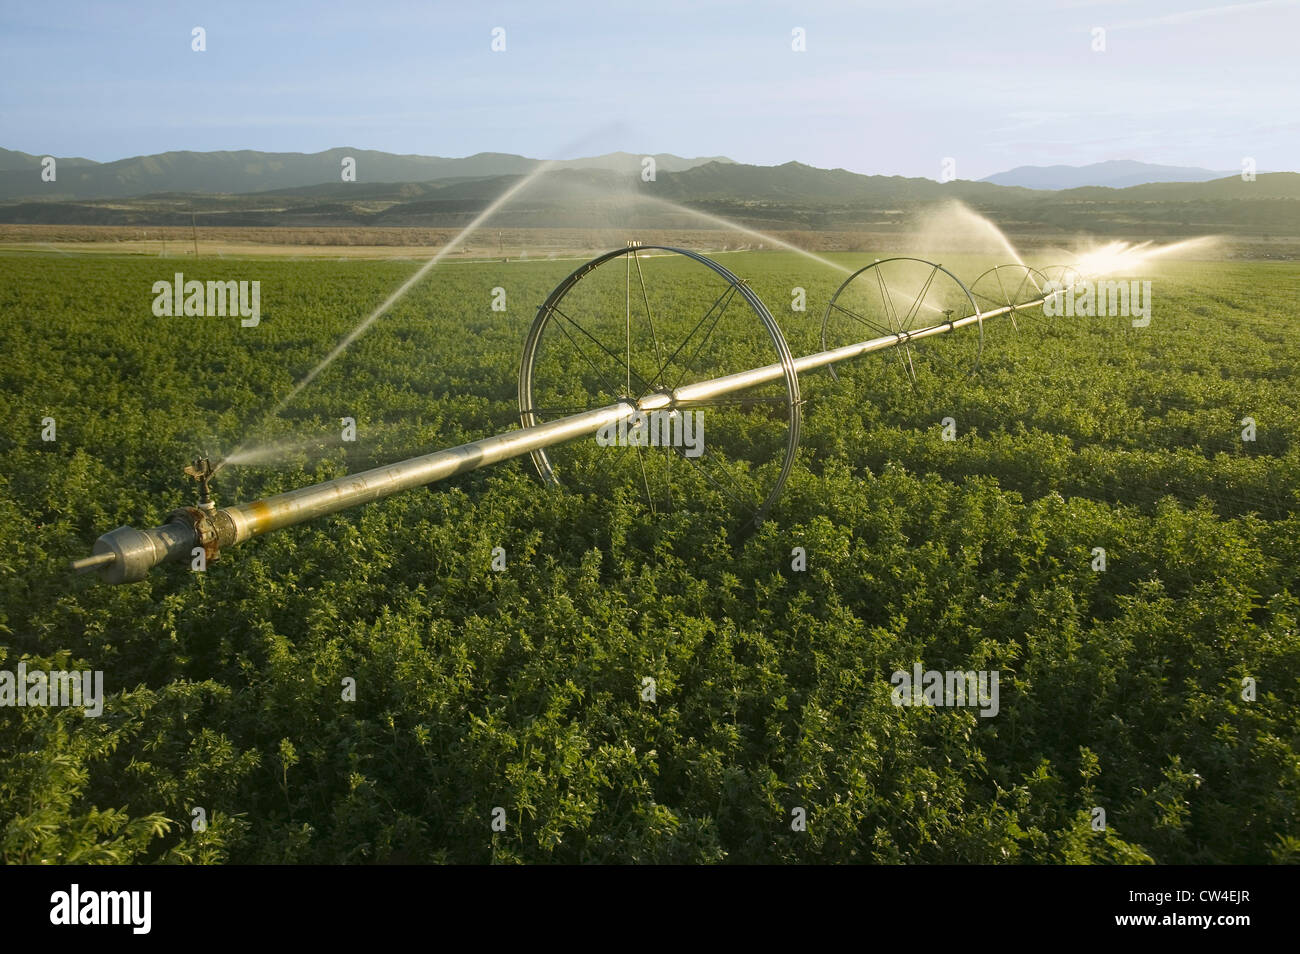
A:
(405, 287)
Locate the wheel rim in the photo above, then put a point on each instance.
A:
(594, 343)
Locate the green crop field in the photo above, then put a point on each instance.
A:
(504, 715)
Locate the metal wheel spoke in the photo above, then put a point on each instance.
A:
(563, 411)
(599, 373)
(740, 401)
(1021, 287)
(631, 372)
(696, 462)
(905, 361)
(892, 308)
(920, 299)
(879, 329)
(627, 298)
(887, 300)
(645, 480)
(645, 296)
(997, 273)
(703, 341)
(685, 341)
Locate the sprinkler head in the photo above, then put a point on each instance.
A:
(203, 471)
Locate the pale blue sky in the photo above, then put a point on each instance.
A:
(883, 87)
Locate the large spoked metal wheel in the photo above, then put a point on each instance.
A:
(902, 297)
(649, 327)
(1006, 288)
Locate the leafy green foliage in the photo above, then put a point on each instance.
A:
(523, 689)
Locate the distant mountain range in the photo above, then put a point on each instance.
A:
(252, 189)
(1113, 174)
(247, 171)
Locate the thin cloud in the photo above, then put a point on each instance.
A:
(1187, 16)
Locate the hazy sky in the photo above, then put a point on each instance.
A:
(881, 88)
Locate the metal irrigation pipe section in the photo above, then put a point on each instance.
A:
(126, 555)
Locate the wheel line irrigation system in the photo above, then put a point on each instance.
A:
(126, 554)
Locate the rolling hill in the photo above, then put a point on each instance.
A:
(608, 191)
(248, 171)
(1115, 173)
